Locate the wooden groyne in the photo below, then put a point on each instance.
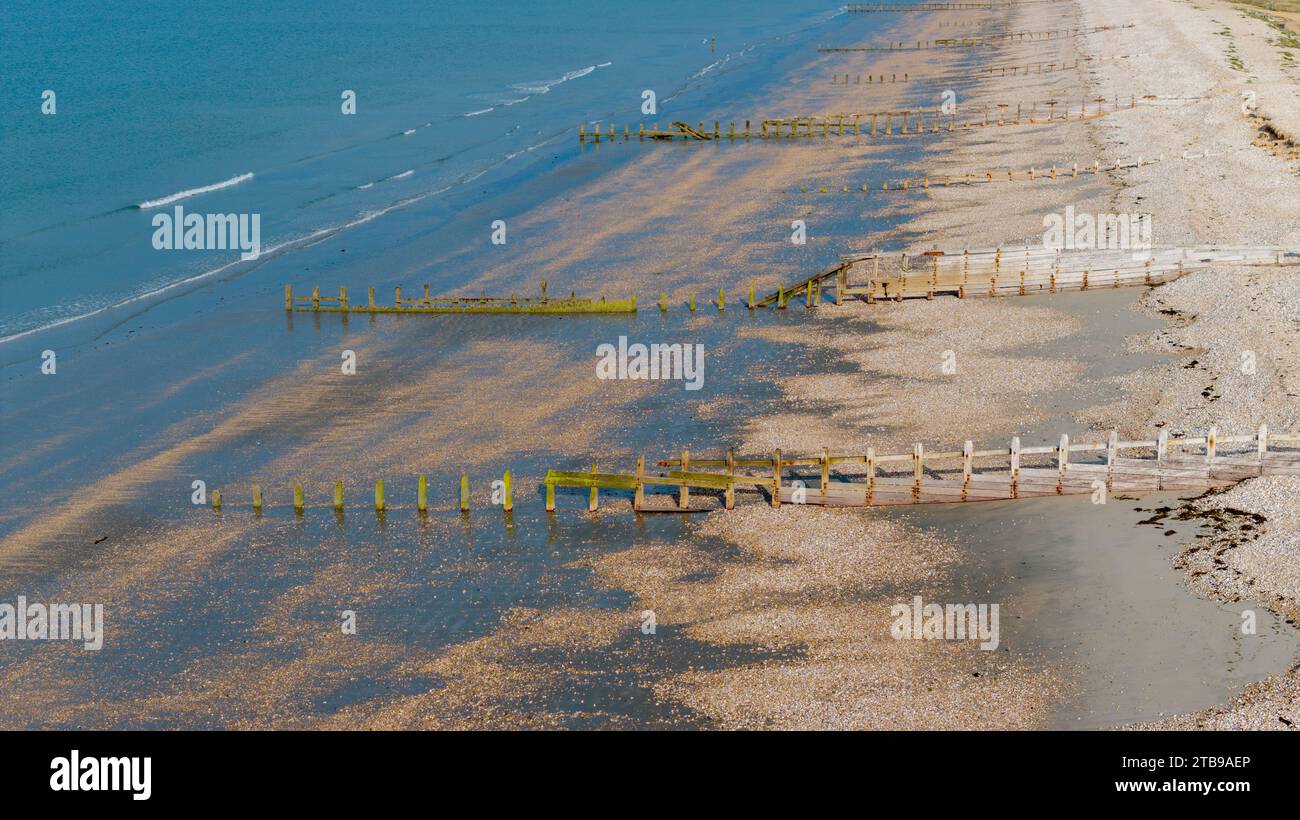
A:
(1013, 270)
(986, 177)
(504, 489)
(317, 303)
(1003, 70)
(882, 276)
(1165, 462)
(886, 8)
(905, 122)
(1029, 270)
(883, 8)
(981, 41)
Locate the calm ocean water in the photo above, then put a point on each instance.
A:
(156, 101)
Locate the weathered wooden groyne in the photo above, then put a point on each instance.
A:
(316, 303)
(1165, 462)
(909, 122)
(257, 500)
(879, 8)
(1001, 71)
(1040, 174)
(980, 41)
(1014, 270)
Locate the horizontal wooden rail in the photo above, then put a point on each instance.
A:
(904, 122)
(987, 176)
(1015, 270)
(1167, 462)
(998, 70)
(883, 8)
(886, 8)
(982, 40)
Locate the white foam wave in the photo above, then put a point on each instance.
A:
(545, 86)
(186, 194)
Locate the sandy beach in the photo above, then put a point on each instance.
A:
(765, 618)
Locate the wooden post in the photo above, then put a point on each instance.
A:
(216, 499)
(684, 492)
(257, 498)
(288, 297)
(751, 294)
(1211, 443)
(379, 495)
(871, 473)
(297, 498)
(967, 464)
(729, 495)
(343, 298)
(315, 298)
(722, 299)
(464, 492)
(776, 478)
(1162, 445)
(397, 296)
(663, 302)
(507, 493)
(372, 297)
(1062, 460)
(638, 493)
(826, 471)
(593, 500)
(338, 496)
(692, 302)
(918, 469)
(422, 494)
(550, 494)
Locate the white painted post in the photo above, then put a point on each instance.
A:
(1263, 441)
(1112, 445)
(1211, 443)
(1063, 454)
(1162, 445)
(918, 456)
(967, 456)
(871, 471)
